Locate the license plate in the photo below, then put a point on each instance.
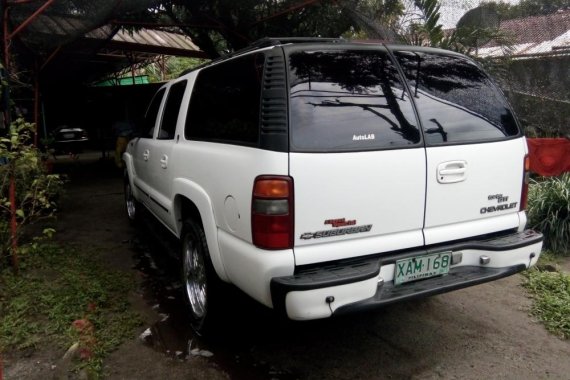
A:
(68, 135)
(422, 267)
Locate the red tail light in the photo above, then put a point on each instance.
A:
(524, 192)
(272, 212)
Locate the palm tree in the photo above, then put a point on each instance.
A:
(466, 38)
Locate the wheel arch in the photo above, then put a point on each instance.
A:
(129, 167)
(129, 173)
(191, 201)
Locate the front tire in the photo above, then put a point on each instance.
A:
(199, 278)
(132, 206)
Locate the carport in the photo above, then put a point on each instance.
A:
(55, 51)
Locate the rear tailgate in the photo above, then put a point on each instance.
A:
(475, 151)
(373, 201)
(357, 159)
(485, 200)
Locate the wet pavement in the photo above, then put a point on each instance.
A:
(232, 347)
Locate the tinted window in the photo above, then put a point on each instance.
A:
(225, 102)
(348, 101)
(171, 110)
(456, 101)
(151, 114)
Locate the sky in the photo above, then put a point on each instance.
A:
(452, 10)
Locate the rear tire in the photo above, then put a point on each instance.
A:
(200, 282)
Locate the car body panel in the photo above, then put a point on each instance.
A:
(384, 190)
(370, 199)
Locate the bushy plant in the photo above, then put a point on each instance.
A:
(36, 190)
(549, 211)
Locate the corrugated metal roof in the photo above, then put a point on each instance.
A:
(149, 37)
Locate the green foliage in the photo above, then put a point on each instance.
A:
(373, 19)
(56, 287)
(528, 8)
(467, 39)
(430, 30)
(427, 31)
(36, 190)
(551, 294)
(232, 25)
(173, 67)
(549, 211)
(387, 12)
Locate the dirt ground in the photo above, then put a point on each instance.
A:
(480, 332)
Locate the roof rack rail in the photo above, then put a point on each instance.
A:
(274, 41)
(267, 42)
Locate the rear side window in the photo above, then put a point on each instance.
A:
(224, 106)
(171, 111)
(456, 101)
(151, 114)
(348, 100)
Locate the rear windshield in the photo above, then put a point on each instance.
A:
(456, 101)
(348, 101)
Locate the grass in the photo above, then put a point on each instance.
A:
(550, 291)
(57, 287)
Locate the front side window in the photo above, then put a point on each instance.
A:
(171, 111)
(456, 101)
(348, 100)
(224, 106)
(151, 114)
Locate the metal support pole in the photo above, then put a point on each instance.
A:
(51, 56)
(131, 59)
(29, 20)
(7, 118)
(36, 102)
(6, 35)
(13, 221)
(18, 2)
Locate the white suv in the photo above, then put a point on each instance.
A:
(322, 176)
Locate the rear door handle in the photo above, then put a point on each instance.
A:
(452, 171)
(146, 155)
(164, 161)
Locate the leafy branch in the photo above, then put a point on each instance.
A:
(36, 191)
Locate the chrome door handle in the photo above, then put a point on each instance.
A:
(164, 161)
(452, 172)
(146, 155)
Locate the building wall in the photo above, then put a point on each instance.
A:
(539, 89)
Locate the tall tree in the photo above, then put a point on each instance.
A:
(528, 8)
(224, 25)
(426, 30)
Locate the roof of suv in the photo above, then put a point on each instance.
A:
(317, 42)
